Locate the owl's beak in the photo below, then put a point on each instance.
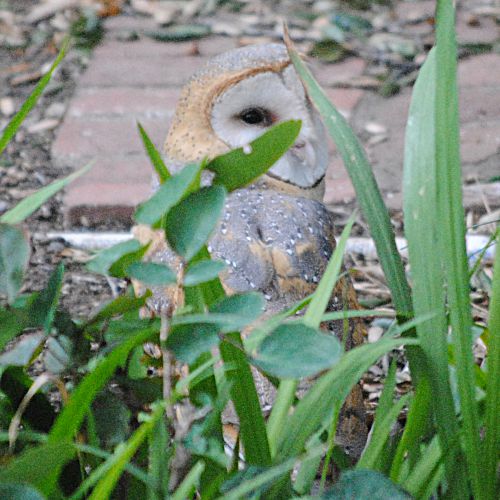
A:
(304, 152)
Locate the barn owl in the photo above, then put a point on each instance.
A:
(275, 236)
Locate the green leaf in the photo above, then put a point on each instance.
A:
(120, 305)
(33, 466)
(155, 157)
(30, 102)
(14, 256)
(203, 271)
(43, 308)
(365, 484)
(19, 492)
(295, 350)
(422, 229)
(28, 205)
(451, 238)
(263, 153)
(187, 342)
(159, 453)
(241, 310)
(13, 322)
(22, 351)
(368, 194)
(169, 194)
(103, 261)
(151, 274)
(189, 224)
(372, 454)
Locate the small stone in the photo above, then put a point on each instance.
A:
(7, 106)
(55, 110)
(43, 125)
(374, 333)
(375, 128)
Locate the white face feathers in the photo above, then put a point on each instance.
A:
(248, 108)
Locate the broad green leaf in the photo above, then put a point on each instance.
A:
(18, 491)
(295, 350)
(13, 322)
(368, 193)
(22, 351)
(189, 224)
(14, 256)
(242, 309)
(171, 192)
(102, 262)
(422, 229)
(243, 165)
(34, 465)
(119, 268)
(451, 238)
(155, 157)
(28, 205)
(187, 342)
(159, 454)
(203, 271)
(366, 484)
(30, 102)
(151, 274)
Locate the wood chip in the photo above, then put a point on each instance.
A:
(26, 78)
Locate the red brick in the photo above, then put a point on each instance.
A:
(479, 103)
(152, 71)
(110, 191)
(479, 141)
(340, 73)
(78, 140)
(338, 185)
(94, 204)
(485, 32)
(479, 71)
(145, 48)
(109, 101)
(345, 100)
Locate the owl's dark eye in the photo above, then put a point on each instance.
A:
(256, 116)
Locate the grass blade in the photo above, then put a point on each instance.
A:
(369, 196)
(188, 484)
(155, 157)
(451, 241)
(492, 438)
(28, 205)
(422, 228)
(30, 102)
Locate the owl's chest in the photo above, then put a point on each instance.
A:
(274, 243)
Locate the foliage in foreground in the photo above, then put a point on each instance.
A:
(123, 433)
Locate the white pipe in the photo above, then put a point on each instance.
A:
(358, 246)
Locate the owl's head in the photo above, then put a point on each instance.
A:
(235, 98)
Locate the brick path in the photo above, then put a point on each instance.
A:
(135, 81)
